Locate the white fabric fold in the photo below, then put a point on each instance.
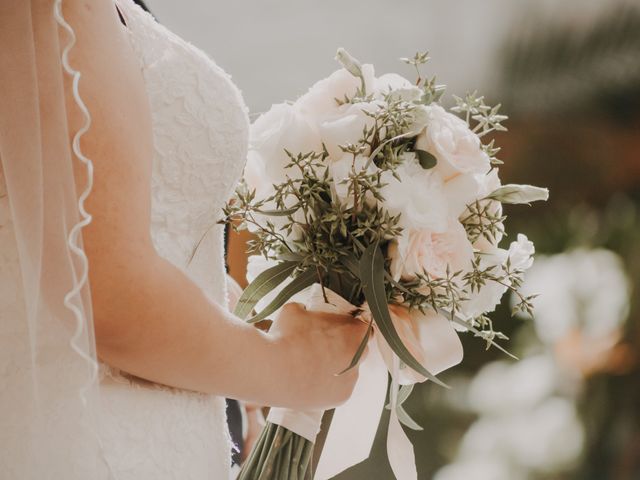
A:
(354, 424)
(399, 448)
(353, 427)
(306, 424)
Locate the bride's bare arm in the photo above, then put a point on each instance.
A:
(150, 319)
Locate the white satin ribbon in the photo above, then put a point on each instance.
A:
(399, 448)
(306, 424)
(354, 424)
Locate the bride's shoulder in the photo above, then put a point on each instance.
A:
(111, 83)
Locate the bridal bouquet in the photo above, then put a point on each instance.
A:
(367, 196)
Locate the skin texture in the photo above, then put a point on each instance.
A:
(150, 319)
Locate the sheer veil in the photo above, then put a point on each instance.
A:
(56, 418)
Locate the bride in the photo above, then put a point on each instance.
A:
(126, 380)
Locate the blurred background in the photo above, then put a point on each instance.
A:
(568, 74)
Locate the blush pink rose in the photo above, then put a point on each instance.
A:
(417, 251)
(450, 140)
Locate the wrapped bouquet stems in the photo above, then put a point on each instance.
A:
(285, 448)
(279, 454)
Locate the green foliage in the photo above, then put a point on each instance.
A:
(342, 246)
(373, 283)
(300, 282)
(426, 159)
(261, 286)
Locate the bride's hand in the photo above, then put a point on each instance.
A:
(320, 346)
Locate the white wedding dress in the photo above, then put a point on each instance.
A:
(200, 127)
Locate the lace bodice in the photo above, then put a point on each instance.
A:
(200, 131)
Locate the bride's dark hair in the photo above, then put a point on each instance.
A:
(141, 3)
(137, 2)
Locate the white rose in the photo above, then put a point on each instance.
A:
(400, 87)
(391, 81)
(283, 127)
(320, 101)
(520, 253)
(464, 190)
(340, 171)
(255, 175)
(450, 140)
(417, 197)
(346, 127)
(417, 251)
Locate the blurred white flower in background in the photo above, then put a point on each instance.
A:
(528, 422)
(524, 426)
(582, 289)
(505, 386)
(485, 468)
(548, 438)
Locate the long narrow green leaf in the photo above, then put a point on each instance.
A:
(302, 281)
(406, 419)
(262, 285)
(372, 278)
(278, 213)
(351, 264)
(403, 393)
(291, 257)
(360, 350)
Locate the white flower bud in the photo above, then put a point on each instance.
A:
(349, 63)
(518, 194)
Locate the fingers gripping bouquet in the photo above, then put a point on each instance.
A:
(367, 196)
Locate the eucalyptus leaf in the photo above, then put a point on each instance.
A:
(403, 393)
(291, 257)
(299, 283)
(426, 159)
(359, 351)
(277, 213)
(373, 154)
(406, 420)
(351, 264)
(262, 285)
(372, 277)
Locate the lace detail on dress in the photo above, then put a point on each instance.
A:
(200, 129)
